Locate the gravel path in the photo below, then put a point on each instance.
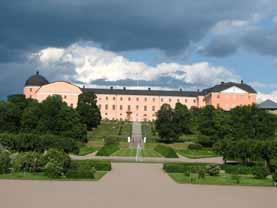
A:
(131, 185)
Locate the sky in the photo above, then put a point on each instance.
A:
(139, 44)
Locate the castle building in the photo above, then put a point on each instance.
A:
(142, 105)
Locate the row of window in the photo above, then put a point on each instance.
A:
(145, 99)
(129, 107)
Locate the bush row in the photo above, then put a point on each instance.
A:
(38, 143)
(54, 163)
(182, 167)
(107, 150)
(166, 151)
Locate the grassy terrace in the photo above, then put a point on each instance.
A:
(222, 179)
(43, 176)
(196, 154)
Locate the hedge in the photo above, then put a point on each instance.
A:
(39, 143)
(166, 151)
(182, 167)
(83, 169)
(107, 150)
(238, 169)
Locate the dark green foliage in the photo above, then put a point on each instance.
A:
(236, 178)
(201, 173)
(28, 162)
(99, 165)
(5, 161)
(205, 141)
(165, 125)
(88, 110)
(260, 172)
(183, 167)
(182, 119)
(213, 170)
(108, 150)
(35, 142)
(237, 169)
(166, 151)
(82, 169)
(58, 156)
(54, 169)
(194, 146)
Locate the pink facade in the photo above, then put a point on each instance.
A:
(142, 105)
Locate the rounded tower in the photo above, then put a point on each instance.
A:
(33, 84)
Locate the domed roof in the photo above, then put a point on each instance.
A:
(36, 80)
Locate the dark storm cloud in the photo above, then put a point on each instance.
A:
(116, 24)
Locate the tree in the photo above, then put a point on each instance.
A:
(165, 125)
(182, 119)
(30, 117)
(88, 110)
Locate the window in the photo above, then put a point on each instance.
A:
(153, 99)
(99, 106)
(113, 107)
(121, 98)
(218, 106)
(145, 99)
(145, 108)
(137, 107)
(120, 107)
(137, 99)
(64, 97)
(106, 114)
(107, 98)
(194, 100)
(153, 108)
(129, 98)
(31, 89)
(129, 107)
(106, 107)
(71, 105)
(218, 96)
(162, 99)
(113, 98)
(186, 100)
(169, 99)
(178, 100)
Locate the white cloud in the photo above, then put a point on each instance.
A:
(90, 63)
(265, 96)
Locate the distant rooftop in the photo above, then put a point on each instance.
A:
(268, 105)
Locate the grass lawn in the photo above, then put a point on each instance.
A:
(85, 150)
(196, 154)
(43, 176)
(222, 179)
(110, 128)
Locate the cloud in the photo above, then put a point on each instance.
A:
(118, 25)
(85, 63)
(265, 96)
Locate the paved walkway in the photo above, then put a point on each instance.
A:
(131, 185)
(136, 135)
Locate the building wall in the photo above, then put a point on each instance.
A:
(137, 107)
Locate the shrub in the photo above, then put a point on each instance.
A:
(194, 146)
(201, 173)
(183, 167)
(205, 141)
(213, 170)
(166, 151)
(61, 157)
(84, 169)
(5, 161)
(260, 172)
(54, 169)
(28, 162)
(102, 165)
(38, 143)
(238, 169)
(107, 150)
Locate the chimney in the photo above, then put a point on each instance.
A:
(84, 86)
(222, 82)
(198, 90)
(149, 88)
(37, 72)
(241, 81)
(181, 90)
(111, 87)
(124, 88)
